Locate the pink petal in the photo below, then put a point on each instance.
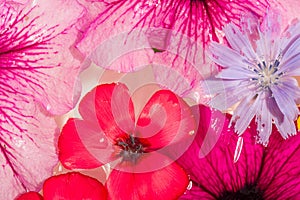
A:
(27, 144)
(200, 21)
(30, 196)
(168, 182)
(35, 53)
(125, 52)
(217, 172)
(80, 144)
(164, 120)
(73, 186)
(280, 176)
(288, 9)
(113, 108)
(186, 80)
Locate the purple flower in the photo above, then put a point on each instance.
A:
(258, 72)
(260, 173)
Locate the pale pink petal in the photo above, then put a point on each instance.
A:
(35, 52)
(186, 80)
(27, 144)
(163, 23)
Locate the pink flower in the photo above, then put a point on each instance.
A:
(38, 74)
(201, 21)
(271, 172)
(124, 34)
(109, 133)
(70, 186)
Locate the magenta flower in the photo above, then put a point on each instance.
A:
(135, 147)
(38, 76)
(260, 173)
(258, 72)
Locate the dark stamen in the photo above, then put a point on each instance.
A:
(248, 192)
(132, 149)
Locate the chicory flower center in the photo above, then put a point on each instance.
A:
(267, 74)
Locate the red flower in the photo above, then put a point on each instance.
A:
(109, 132)
(70, 186)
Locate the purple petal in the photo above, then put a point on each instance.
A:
(285, 98)
(226, 57)
(239, 42)
(244, 113)
(264, 122)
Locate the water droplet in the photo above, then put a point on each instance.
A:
(101, 140)
(238, 149)
(190, 185)
(48, 107)
(60, 169)
(192, 132)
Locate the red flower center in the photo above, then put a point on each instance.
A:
(131, 147)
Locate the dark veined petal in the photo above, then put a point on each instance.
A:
(217, 173)
(73, 186)
(280, 176)
(201, 21)
(168, 182)
(35, 59)
(27, 146)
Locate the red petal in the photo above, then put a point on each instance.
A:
(112, 106)
(169, 182)
(30, 196)
(165, 119)
(78, 143)
(73, 186)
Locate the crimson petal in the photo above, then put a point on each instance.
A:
(164, 120)
(112, 106)
(30, 196)
(168, 182)
(79, 143)
(73, 186)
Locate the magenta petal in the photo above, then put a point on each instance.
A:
(280, 176)
(27, 144)
(217, 172)
(35, 56)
